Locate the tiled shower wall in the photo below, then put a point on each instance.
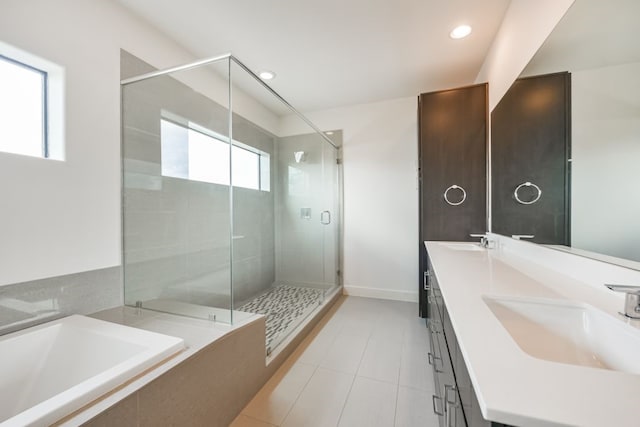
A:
(177, 231)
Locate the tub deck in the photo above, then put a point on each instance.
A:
(51, 370)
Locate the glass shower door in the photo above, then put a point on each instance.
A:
(330, 219)
(285, 221)
(308, 217)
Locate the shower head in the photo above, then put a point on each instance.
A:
(300, 156)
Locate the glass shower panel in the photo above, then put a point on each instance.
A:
(176, 192)
(254, 127)
(285, 243)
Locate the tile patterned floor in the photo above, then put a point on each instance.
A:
(363, 365)
(284, 307)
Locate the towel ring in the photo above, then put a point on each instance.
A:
(455, 187)
(527, 184)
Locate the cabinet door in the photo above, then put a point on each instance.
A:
(425, 283)
(454, 398)
(530, 143)
(463, 381)
(435, 360)
(434, 326)
(454, 401)
(452, 152)
(448, 390)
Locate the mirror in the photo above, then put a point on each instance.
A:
(596, 43)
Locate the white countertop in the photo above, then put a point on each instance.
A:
(513, 387)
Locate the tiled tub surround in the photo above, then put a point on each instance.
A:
(220, 364)
(513, 387)
(51, 370)
(207, 384)
(38, 301)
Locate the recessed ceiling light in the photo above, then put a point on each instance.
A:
(460, 32)
(267, 75)
(329, 132)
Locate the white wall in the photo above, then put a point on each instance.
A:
(64, 217)
(605, 152)
(380, 160)
(524, 28)
(380, 144)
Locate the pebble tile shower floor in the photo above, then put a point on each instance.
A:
(284, 306)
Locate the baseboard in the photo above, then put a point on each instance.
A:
(359, 291)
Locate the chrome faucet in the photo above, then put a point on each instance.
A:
(632, 300)
(484, 240)
(522, 236)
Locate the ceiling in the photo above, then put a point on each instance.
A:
(333, 53)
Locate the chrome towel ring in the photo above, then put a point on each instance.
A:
(527, 184)
(455, 187)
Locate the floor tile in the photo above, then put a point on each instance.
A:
(390, 328)
(381, 361)
(332, 325)
(321, 401)
(414, 408)
(416, 332)
(314, 348)
(370, 403)
(345, 353)
(245, 421)
(365, 363)
(358, 324)
(360, 308)
(276, 398)
(415, 370)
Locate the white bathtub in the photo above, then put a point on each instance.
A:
(51, 370)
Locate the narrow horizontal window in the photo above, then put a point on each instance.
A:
(199, 155)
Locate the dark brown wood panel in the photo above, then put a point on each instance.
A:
(530, 142)
(453, 135)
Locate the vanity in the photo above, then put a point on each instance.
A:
(525, 333)
(517, 341)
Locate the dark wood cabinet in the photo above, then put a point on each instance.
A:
(530, 145)
(454, 399)
(453, 144)
(452, 168)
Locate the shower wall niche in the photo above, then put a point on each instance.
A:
(219, 210)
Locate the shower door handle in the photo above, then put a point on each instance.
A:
(327, 215)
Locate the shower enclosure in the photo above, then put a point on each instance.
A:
(230, 197)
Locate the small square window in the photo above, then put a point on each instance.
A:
(23, 109)
(31, 105)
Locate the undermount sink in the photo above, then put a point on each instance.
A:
(569, 332)
(463, 246)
